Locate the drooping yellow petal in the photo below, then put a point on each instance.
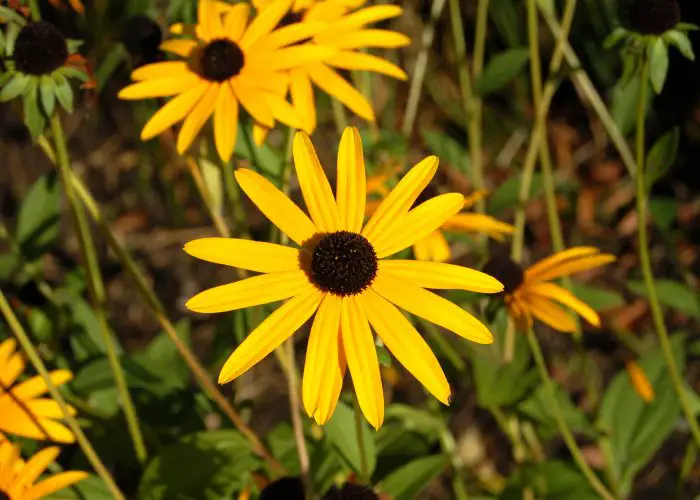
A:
(265, 22)
(258, 256)
(174, 111)
(302, 93)
(440, 276)
(55, 483)
(554, 260)
(431, 307)
(401, 198)
(361, 355)
(250, 292)
(274, 330)
(364, 39)
(549, 313)
(333, 84)
(571, 266)
(314, 185)
(197, 117)
(277, 207)
(478, 223)
(640, 382)
(253, 100)
(566, 298)
(433, 247)
(351, 182)
(418, 223)
(406, 344)
(166, 69)
(236, 20)
(180, 46)
(160, 87)
(323, 370)
(360, 61)
(225, 122)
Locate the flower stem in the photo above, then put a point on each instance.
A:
(217, 219)
(39, 366)
(566, 433)
(360, 430)
(645, 259)
(96, 290)
(34, 10)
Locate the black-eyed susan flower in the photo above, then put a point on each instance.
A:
(39, 61)
(434, 246)
(19, 480)
(229, 62)
(531, 294)
(345, 30)
(640, 382)
(22, 411)
(341, 273)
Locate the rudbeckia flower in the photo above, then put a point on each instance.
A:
(531, 294)
(343, 29)
(18, 479)
(341, 273)
(434, 247)
(230, 62)
(22, 411)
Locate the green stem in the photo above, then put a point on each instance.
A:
(96, 290)
(645, 260)
(34, 10)
(219, 223)
(566, 433)
(341, 121)
(360, 430)
(39, 366)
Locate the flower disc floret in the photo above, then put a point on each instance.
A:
(344, 263)
(40, 49)
(507, 271)
(220, 60)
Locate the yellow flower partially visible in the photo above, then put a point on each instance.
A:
(531, 294)
(640, 382)
(230, 62)
(19, 480)
(344, 30)
(22, 411)
(340, 274)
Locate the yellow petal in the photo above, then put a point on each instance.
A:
(250, 292)
(166, 69)
(302, 93)
(160, 87)
(361, 355)
(253, 100)
(174, 111)
(418, 223)
(571, 266)
(9, 457)
(640, 382)
(314, 185)
(285, 36)
(265, 21)
(431, 307)
(360, 61)
(11, 370)
(566, 298)
(283, 111)
(277, 207)
(333, 84)
(276, 328)
(258, 256)
(554, 260)
(36, 386)
(36, 465)
(260, 134)
(364, 39)
(549, 313)
(351, 182)
(366, 16)
(180, 46)
(18, 420)
(401, 198)
(7, 348)
(209, 25)
(46, 408)
(297, 55)
(225, 122)
(236, 20)
(326, 12)
(406, 344)
(197, 117)
(478, 223)
(323, 370)
(440, 276)
(56, 483)
(433, 247)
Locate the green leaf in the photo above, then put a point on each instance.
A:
(407, 482)
(109, 64)
(207, 465)
(671, 294)
(37, 222)
(662, 156)
(550, 480)
(598, 298)
(614, 38)
(681, 41)
(341, 431)
(538, 408)
(91, 487)
(161, 357)
(265, 158)
(501, 69)
(449, 150)
(637, 429)
(47, 89)
(507, 194)
(70, 72)
(64, 93)
(383, 355)
(34, 118)
(14, 87)
(625, 95)
(658, 65)
(663, 211)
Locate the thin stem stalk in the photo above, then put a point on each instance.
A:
(217, 219)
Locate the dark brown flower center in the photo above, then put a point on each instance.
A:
(220, 60)
(344, 263)
(40, 49)
(653, 17)
(286, 488)
(507, 271)
(351, 491)
(4, 496)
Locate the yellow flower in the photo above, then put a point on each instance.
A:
(230, 62)
(530, 293)
(640, 382)
(434, 246)
(22, 411)
(344, 30)
(340, 272)
(18, 479)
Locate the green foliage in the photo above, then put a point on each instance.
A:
(501, 70)
(408, 481)
(341, 432)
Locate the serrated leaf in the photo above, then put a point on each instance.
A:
(407, 482)
(658, 65)
(501, 70)
(14, 87)
(671, 294)
(341, 431)
(662, 156)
